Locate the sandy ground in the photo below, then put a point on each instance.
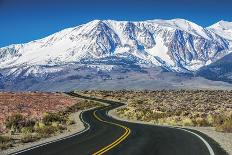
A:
(224, 139)
(32, 104)
(77, 127)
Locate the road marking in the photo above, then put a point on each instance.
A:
(211, 152)
(46, 143)
(117, 141)
(202, 139)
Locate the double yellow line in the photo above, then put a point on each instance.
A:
(117, 141)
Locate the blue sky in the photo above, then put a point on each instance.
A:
(25, 20)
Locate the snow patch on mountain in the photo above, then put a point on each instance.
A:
(176, 45)
(184, 25)
(223, 29)
(161, 51)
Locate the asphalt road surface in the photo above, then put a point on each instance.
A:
(106, 135)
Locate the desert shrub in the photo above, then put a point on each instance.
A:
(81, 105)
(5, 142)
(218, 120)
(202, 107)
(46, 131)
(29, 123)
(139, 101)
(210, 119)
(160, 121)
(226, 126)
(15, 122)
(158, 115)
(60, 128)
(55, 124)
(171, 121)
(73, 108)
(26, 138)
(4, 139)
(70, 121)
(48, 118)
(187, 122)
(201, 122)
(27, 130)
(39, 125)
(4, 146)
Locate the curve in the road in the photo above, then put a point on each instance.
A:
(202, 139)
(197, 135)
(211, 152)
(117, 141)
(106, 135)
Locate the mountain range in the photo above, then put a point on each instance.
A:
(104, 50)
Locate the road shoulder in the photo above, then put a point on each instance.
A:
(75, 128)
(223, 139)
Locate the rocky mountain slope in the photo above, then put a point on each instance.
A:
(174, 45)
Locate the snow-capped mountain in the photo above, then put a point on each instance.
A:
(221, 70)
(176, 45)
(223, 29)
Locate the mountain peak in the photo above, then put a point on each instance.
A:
(183, 25)
(222, 23)
(223, 29)
(175, 43)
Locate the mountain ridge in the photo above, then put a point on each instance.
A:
(175, 45)
(109, 29)
(111, 20)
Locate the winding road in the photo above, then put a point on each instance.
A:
(106, 135)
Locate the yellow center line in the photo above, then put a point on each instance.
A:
(117, 141)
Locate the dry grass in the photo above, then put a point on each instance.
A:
(32, 104)
(48, 123)
(175, 107)
(5, 142)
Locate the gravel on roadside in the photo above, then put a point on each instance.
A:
(224, 139)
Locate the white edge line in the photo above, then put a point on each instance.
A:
(201, 138)
(67, 137)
